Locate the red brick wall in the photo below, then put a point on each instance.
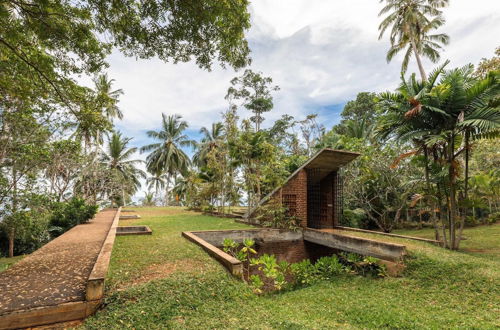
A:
(297, 186)
(294, 251)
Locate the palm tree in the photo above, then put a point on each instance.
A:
(157, 181)
(412, 21)
(166, 155)
(107, 97)
(117, 160)
(211, 139)
(442, 118)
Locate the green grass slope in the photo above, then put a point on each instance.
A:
(164, 281)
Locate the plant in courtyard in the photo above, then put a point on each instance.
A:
(275, 215)
(273, 270)
(241, 252)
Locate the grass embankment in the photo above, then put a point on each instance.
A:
(164, 281)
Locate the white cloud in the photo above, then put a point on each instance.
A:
(320, 53)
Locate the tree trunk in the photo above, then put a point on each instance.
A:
(452, 195)
(11, 242)
(466, 188)
(166, 189)
(419, 61)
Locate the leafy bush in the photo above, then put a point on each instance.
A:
(329, 267)
(273, 270)
(66, 215)
(363, 265)
(353, 218)
(304, 273)
(30, 230)
(274, 215)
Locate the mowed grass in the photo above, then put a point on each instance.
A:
(479, 241)
(164, 281)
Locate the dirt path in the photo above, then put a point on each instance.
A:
(57, 272)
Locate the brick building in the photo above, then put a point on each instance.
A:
(313, 193)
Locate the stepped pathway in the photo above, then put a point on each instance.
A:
(56, 273)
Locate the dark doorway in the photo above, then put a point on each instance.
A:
(322, 199)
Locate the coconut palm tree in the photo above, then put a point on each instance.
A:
(412, 21)
(124, 170)
(211, 139)
(166, 155)
(156, 181)
(107, 97)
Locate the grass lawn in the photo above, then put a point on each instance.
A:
(7, 262)
(480, 241)
(164, 281)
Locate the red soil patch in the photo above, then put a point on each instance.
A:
(158, 271)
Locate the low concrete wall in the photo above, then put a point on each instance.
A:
(133, 230)
(364, 246)
(231, 263)
(432, 241)
(130, 217)
(216, 237)
(48, 315)
(95, 282)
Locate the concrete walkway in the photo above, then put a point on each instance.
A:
(57, 273)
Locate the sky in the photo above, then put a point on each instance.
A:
(320, 52)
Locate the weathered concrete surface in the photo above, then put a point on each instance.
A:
(49, 285)
(234, 266)
(95, 283)
(216, 237)
(133, 230)
(433, 241)
(337, 240)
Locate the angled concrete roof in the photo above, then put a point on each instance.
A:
(326, 159)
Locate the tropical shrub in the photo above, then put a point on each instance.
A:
(68, 214)
(353, 218)
(272, 270)
(274, 215)
(304, 273)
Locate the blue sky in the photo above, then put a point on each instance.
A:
(321, 54)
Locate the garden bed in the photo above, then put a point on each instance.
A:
(133, 230)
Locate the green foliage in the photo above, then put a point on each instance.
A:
(66, 215)
(272, 270)
(442, 117)
(329, 267)
(275, 215)
(255, 91)
(412, 22)
(353, 218)
(304, 273)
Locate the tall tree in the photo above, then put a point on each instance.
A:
(166, 155)
(412, 22)
(210, 140)
(107, 98)
(444, 114)
(123, 169)
(255, 91)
